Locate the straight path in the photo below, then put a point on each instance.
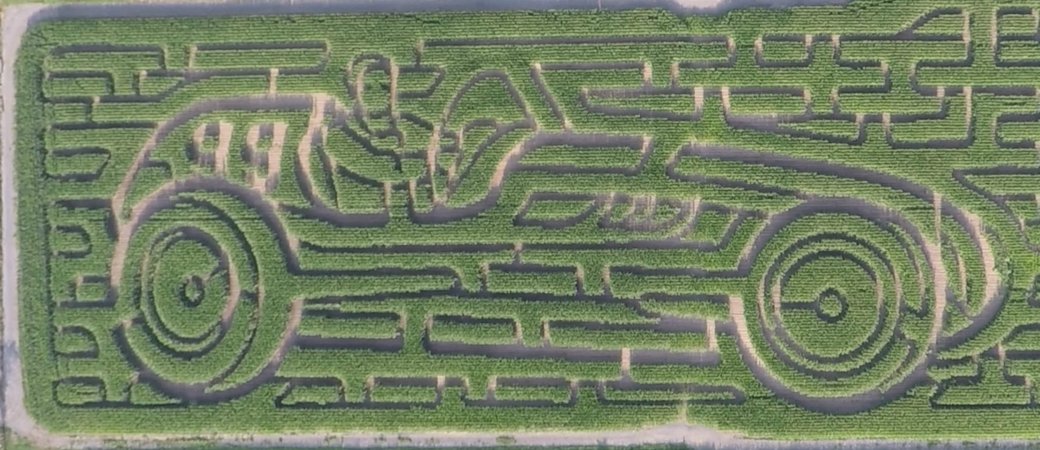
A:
(13, 414)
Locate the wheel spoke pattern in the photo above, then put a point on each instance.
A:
(794, 224)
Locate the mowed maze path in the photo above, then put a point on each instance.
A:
(812, 223)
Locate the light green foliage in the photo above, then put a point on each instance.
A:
(394, 252)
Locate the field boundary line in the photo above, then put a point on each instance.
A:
(16, 21)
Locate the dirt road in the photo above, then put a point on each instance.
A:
(16, 20)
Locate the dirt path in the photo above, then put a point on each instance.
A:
(15, 417)
(15, 22)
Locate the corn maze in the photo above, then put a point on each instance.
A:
(807, 223)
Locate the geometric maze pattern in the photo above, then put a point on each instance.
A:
(535, 227)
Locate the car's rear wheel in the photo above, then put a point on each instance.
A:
(200, 325)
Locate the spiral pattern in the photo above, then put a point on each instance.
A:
(191, 276)
(844, 302)
(191, 291)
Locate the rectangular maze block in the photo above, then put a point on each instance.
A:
(804, 224)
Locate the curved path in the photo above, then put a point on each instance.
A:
(13, 415)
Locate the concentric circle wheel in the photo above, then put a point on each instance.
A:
(201, 325)
(844, 305)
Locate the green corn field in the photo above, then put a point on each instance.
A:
(820, 222)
